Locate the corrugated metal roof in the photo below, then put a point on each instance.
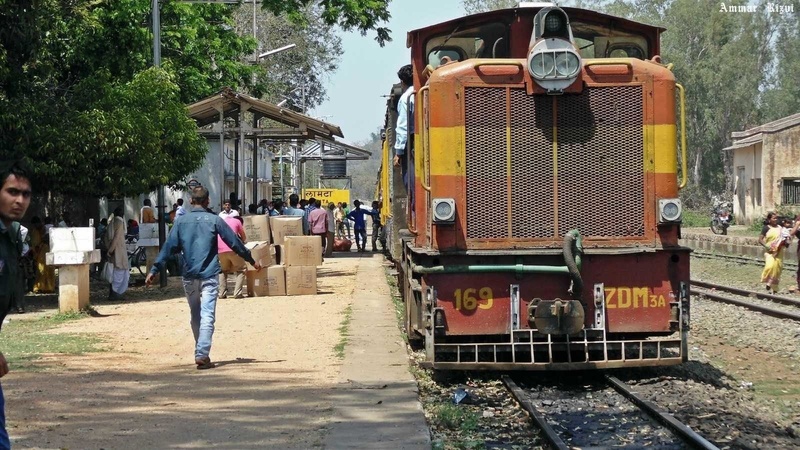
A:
(755, 139)
(770, 127)
(206, 112)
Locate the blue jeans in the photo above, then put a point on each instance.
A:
(5, 443)
(361, 235)
(202, 297)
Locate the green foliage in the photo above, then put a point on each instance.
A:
(696, 218)
(362, 15)
(344, 332)
(365, 173)
(455, 417)
(80, 101)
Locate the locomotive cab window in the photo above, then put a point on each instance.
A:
(595, 41)
(484, 41)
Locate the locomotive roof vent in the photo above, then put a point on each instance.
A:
(553, 61)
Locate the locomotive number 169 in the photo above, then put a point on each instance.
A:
(466, 299)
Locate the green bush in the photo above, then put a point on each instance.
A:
(693, 218)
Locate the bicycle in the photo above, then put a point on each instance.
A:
(136, 257)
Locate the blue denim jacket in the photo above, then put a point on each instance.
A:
(195, 235)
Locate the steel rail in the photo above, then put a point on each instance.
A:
(744, 259)
(664, 418)
(758, 308)
(746, 293)
(548, 432)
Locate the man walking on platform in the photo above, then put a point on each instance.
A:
(360, 227)
(195, 236)
(15, 197)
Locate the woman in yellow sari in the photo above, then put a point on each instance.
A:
(774, 240)
(40, 244)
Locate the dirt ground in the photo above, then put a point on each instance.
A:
(276, 364)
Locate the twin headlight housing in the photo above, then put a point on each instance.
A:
(553, 61)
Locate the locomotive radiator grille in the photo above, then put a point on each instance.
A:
(595, 172)
(600, 162)
(487, 192)
(531, 165)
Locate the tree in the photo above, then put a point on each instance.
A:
(295, 76)
(79, 100)
(362, 15)
(782, 98)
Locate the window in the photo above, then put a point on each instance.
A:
(790, 194)
(489, 40)
(596, 41)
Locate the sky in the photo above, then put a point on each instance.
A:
(367, 71)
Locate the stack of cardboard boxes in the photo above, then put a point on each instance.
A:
(288, 258)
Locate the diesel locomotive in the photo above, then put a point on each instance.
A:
(543, 223)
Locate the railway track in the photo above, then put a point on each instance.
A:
(740, 259)
(585, 417)
(746, 299)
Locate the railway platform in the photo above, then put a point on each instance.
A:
(279, 382)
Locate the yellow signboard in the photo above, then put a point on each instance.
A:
(328, 195)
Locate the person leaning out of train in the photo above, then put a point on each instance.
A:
(404, 130)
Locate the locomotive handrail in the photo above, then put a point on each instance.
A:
(497, 62)
(488, 268)
(609, 62)
(424, 137)
(684, 177)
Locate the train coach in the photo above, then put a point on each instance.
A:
(540, 230)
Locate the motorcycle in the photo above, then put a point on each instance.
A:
(721, 217)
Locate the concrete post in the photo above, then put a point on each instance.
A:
(72, 250)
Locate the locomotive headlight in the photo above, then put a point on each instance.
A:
(670, 210)
(444, 210)
(554, 64)
(542, 65)
(567, 64)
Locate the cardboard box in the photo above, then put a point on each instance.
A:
(256, 228)
(301, 280)
(276, 280)
(257, 282)
(267, 281)
(302, 251)
(283, 226)
(261, 252)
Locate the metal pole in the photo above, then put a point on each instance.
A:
(242, 172)
(162, 226)
(222, 181)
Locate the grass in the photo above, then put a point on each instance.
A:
(23, 342)
(397, 301)
(344, 332)
(455, 417)
(695, 219)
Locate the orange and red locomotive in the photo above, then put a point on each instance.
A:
(543, 232)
